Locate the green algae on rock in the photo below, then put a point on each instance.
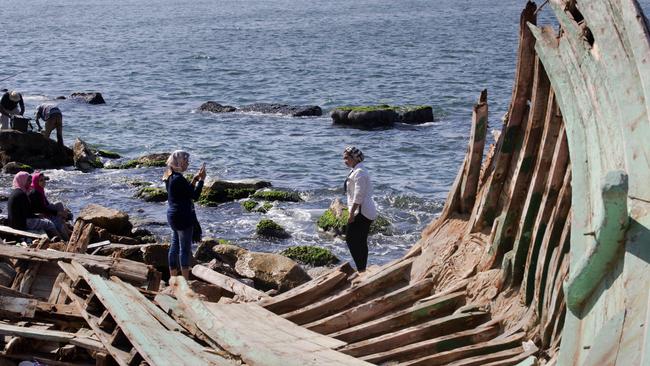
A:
(337, 224)
(152, 194)
(221, 191)
(311, 255)
(274, 195)
(270, 229)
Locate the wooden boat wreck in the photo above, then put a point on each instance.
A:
(540, 255)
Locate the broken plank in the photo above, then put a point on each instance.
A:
(386, 277)
(372, 309)
(51, 336)
(309, 292)
(434, 328)
(420, 312)
(435, 345)
(231, 285)
(26, 234)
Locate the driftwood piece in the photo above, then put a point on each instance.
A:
(21, 233)
(418, 313)
(387, 277)
(373, 309)
(242, 291)
(309, 292)
(272, 341)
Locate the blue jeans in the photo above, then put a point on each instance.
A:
(181, 239)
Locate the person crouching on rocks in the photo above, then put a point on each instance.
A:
(51, 114)
(9, 107)
(20, 214)
(361, 207)
(180, 210)
(55, 212)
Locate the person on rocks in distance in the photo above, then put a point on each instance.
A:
(361, 207)
(11, 103)
(51, 114)
(20, 214)
(55, 212)
(180, 211)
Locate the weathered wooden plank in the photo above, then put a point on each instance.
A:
(435, 345)
(472, 170)
(372, 309)
(15, 232)
(244, 292)
(131, 271)
(17, 307)
(435, 328)
(489, 347)
(521, 93)
(385, 278)
(308, 292)
(418, 313)
(272, 341)
(135, 327)
(51, 336)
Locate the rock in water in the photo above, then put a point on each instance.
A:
(215, 107)
(84, 158)
(33, 149)
(294, 111)
(90, 98)
(114, 221)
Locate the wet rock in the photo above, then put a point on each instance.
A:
(215, 107)
(84, 158)
(106, 154)
(254, 206)
(150, 160)
(204, 251)
(90, 98)
(114, 221)
(61, 97)
(335, 220)
(33, 149)
(270, 229)
(15, 167)
(222, 191)
(228, 253)
(274, 195)
(381, 115)
(294, 111)
(311, 255)
(152, 194)
(271, 271)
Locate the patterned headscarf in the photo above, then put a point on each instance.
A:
(22, 181)
(354, 153)
(174, 162)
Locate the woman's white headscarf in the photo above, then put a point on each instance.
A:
(175, 161)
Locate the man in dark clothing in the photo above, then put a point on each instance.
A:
(9, 106)
(51, 114)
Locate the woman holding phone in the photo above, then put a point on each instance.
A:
(180, 211)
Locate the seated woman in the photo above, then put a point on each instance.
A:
(20, 214)
(55, 212)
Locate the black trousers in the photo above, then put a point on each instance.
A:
(356, 236)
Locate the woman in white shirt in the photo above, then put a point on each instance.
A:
(361, 207)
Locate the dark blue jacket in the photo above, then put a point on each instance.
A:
(180, 194)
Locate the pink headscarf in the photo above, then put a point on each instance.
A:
(22, 181)
(37, 186)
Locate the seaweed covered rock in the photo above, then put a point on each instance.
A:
(215, 107)
(33, 149)
(150, 160)
(106, 153)
(221, 191)
(380, 115)
(274, 195)
(114, 221)
(311, 255)
(152, 194)
(294, 111)
(270, 229)
(255, 206)
(335, 220)
(90, 98)
(271, 271)
(84, 157)
(15, 167)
